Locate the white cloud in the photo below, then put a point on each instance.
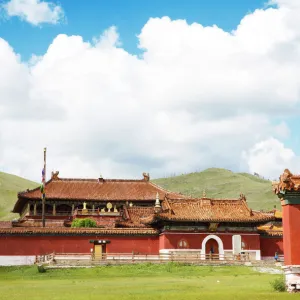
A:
(198, 97)
(270, 157)
(282, 131)
(285, 3)
(35, 12)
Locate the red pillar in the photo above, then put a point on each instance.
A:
(288, 190)
(291, 230)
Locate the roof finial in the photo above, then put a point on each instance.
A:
(54, 175)
(157, 207)
(204, 194)
(242, 197)
(146, 176)
(157, 202)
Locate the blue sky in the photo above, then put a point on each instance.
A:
(90, 18)
(198, 97)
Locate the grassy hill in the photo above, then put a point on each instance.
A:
(10, 185)
(221, 183)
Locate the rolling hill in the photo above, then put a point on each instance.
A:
(222, 184)
(10, 185)
(217, 183)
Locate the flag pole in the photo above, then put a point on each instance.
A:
(43, 189)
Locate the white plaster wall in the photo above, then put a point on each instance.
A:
(15, 260)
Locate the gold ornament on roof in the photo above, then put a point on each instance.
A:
(109, 206)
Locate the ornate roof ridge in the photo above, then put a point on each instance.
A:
(167, 192)
(103, 180)
(212, 200)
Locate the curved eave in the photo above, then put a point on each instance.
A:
(23, 198)
(19, 204)
(270, 233)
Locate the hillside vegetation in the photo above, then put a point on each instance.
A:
(224, 184)
(10, 185)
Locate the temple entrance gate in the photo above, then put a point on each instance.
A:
(212, 243)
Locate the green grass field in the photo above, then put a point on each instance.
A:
(221, 183)
(145, 281)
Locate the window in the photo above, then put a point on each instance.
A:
(182, 244)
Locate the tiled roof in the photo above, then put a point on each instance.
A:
(96, 190)
(271, 228)
(287, 182)
(5, 224)
(77, 231)
(137, 216)
(211, 210)
(38, 223)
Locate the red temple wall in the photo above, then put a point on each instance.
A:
(291, 240)
(270, 245)
(171, 240)
(39, 245)
(251, 241)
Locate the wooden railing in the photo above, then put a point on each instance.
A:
(127, 257)
(171, 257)
(68, 258)
(46, 259)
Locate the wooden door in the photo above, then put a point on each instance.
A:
(212, 247)
(98, 252)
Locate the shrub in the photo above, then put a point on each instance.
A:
(84, 223)
(278, 284)
(89, 223)
(41, 269)
(76, 223)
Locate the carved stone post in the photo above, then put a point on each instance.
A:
(34, 209)
(54, 209)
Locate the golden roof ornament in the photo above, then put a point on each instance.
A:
(204, 194)
(157, 202)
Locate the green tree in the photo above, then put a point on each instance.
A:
(84, 223)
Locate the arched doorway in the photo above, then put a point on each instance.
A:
(214, 243)
(212, 247)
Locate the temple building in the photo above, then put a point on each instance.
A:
(135, 216)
